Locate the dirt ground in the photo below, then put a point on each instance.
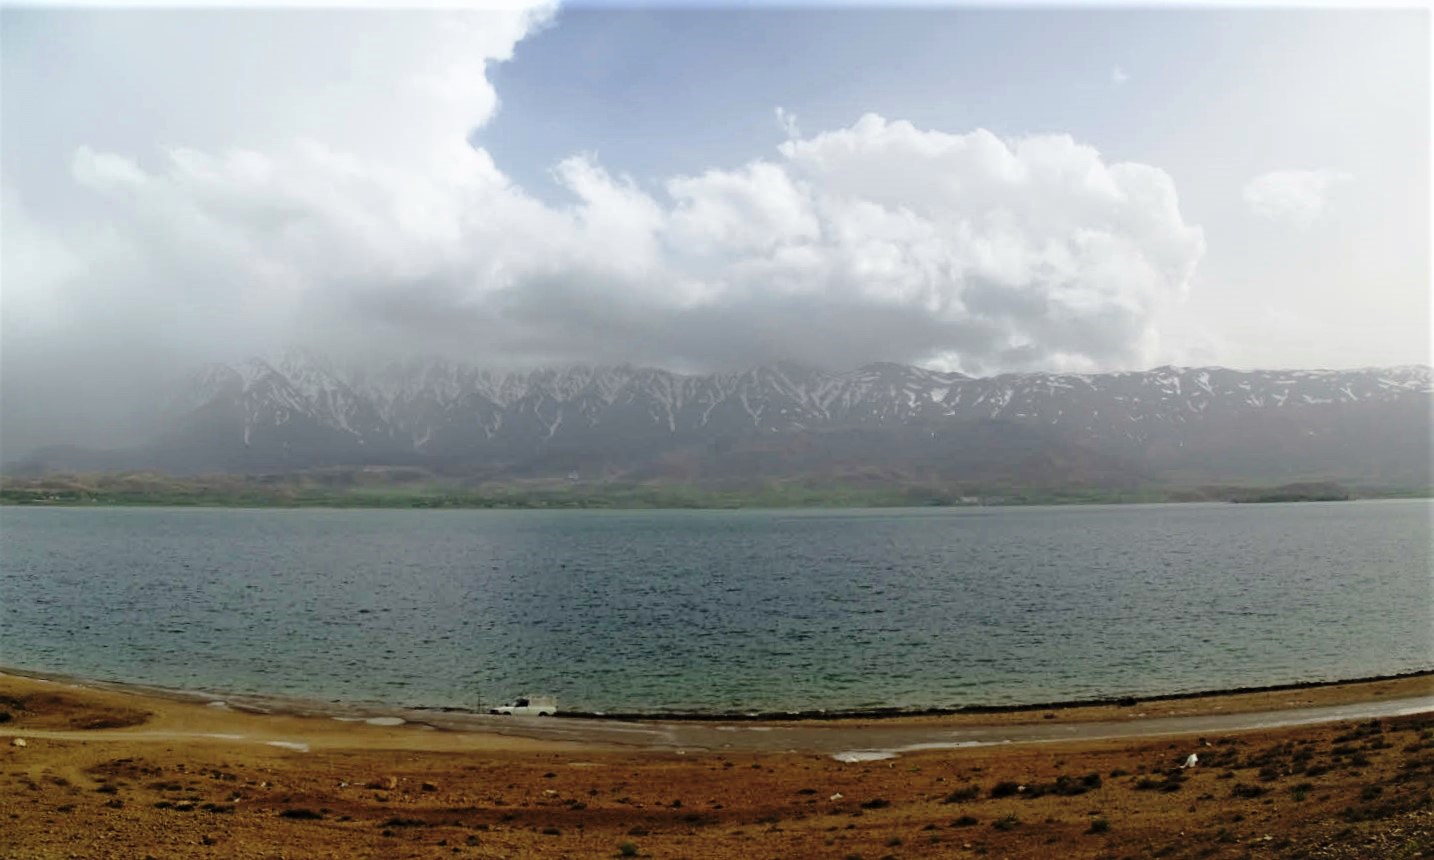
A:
(106, 773)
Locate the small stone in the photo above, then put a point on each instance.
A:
(428, 786)
(19, 742)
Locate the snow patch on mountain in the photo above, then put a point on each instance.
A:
(441, 408)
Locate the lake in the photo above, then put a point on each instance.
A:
(720, 611)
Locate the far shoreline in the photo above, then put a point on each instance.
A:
(638, 508)
(346, 489)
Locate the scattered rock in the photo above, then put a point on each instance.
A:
(19, 742)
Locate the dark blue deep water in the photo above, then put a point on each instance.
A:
(720, 610)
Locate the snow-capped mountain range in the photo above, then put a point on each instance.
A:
(300, 411)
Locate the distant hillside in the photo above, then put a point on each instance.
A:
(883, 423)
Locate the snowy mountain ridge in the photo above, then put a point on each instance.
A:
(300, 410)
(412, 396)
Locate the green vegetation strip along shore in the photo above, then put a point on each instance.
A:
(360, 489)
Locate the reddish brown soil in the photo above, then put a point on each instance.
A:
(1349, 790)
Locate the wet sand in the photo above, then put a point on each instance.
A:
(179, 714)
(114, 773)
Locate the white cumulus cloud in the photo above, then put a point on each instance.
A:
(1295, 196)
(878, 240)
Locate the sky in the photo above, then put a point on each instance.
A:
(975, 189)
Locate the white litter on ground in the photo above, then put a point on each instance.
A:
(853, 756)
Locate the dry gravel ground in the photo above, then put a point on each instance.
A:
(135, 786)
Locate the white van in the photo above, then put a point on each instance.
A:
(529, 706)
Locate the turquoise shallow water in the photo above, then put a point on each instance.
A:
(720, 610)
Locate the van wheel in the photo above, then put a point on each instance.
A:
(542, 713)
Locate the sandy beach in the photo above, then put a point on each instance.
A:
(94, 771)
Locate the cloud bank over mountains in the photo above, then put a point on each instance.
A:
(381, 226)
(880, 240)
